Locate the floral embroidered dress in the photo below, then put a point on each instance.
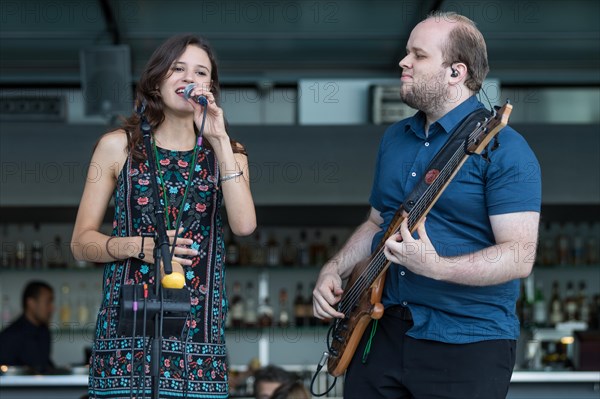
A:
(192, 365)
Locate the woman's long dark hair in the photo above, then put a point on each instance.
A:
(156, 70)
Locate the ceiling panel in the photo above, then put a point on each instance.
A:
(40, 40)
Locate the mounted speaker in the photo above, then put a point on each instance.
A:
(106, 80)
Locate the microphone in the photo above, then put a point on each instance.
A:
(199, 99)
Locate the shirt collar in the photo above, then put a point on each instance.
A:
(447, 122)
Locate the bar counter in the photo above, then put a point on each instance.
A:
(524, 385)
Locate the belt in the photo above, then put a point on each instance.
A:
(399, 311)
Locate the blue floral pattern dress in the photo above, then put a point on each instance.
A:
(194, 364)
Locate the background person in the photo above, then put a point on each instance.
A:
(26, 342)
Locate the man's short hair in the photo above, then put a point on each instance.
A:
(271, 374)
(33, 289)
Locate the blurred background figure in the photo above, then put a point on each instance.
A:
(291, 390)
(26, 342)
(268, 379)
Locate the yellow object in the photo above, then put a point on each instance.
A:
(174, 280)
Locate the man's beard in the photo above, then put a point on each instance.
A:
(428, 96)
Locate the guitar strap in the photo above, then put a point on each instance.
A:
(457, 138)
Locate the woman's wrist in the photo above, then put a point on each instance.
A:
(220, 141)
(120, 248)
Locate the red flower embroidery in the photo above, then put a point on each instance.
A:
(191, 323)
(165, 162)
(200, 207)
(203, 187)
(144, 182)
(142, 201)
(182, 163)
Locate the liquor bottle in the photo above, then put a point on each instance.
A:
(259, 254)
(303, 254)
(318, 250)
(548, 247)
(251, 318)
(273, 251)
(540, 314)
(36, 249)
(36, 255)
(245, 253)
(562, 245)
(233, 250)
(83, 310)
(20, 254)
(570, 303)
(578, 255)
(556, 307)
(539, 254)
(237, 306)
(284, 315)
(582, 303)
(299, 307)
(334, 246)
(527, 302)
(265, 313)
(308, 308)
(65, 307)
(288, 252)
(5, 260)
(57, 259)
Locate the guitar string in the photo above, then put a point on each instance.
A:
(365, 280)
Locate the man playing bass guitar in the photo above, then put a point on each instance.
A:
(449, 328)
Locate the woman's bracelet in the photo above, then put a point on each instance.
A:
(108, 251)
(232, 176)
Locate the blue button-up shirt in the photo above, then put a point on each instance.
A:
(458, 224)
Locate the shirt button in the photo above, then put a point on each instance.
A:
(404, 303)
(413, 174)
(402, 273)
(426, 144)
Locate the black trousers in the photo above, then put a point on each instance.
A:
(401, 367)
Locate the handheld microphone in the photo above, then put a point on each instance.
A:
(199, 99)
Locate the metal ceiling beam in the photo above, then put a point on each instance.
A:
(111, 22)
